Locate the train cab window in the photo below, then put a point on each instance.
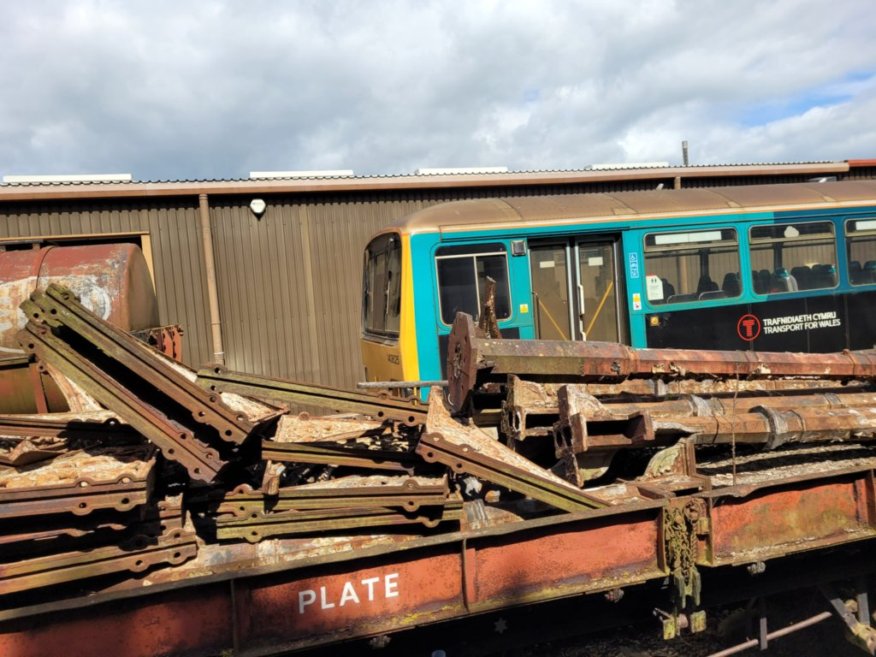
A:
(692, 266)
(381, 303)
(462, 279)
(792, 257)
(861, 250)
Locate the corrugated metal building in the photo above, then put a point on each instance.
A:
(285, 285)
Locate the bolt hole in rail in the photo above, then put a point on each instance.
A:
(787, 267)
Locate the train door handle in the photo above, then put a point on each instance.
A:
(581, 313)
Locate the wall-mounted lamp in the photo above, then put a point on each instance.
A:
(258, 207)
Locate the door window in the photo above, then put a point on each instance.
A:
(550, 292)
(596, 274)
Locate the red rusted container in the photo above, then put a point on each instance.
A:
(112, 280)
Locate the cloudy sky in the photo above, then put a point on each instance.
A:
(194, 90)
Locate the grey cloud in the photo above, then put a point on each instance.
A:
(196, 90)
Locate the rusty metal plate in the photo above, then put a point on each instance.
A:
(303, 428)
(468, 449)
(353, 456)
(359, 443)
(19, 452)
(749, 523)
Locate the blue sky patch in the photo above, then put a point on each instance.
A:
(826, 95)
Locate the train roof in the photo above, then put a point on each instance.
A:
(638, 204)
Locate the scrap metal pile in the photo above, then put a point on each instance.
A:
(584, 401)
(178, 460)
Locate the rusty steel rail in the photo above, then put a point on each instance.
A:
(258, 525)
(67, 532)
(523, 398)
(583, 422)
(57, 307)
(717, 388)
(473, 359)
(88, 548)
(408, 493)
(135, 555)
(98, 424)
(408, 410)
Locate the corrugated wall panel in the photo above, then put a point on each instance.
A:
(262, 296)
(289, 283)
(180, 276)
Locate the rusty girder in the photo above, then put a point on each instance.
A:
(473, 360)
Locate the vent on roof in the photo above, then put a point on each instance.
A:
(328, 173)
(440, 171)
(629, 165)
(72, 178)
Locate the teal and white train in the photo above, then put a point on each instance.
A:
(788, 267)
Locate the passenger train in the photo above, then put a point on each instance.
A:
(789, 267)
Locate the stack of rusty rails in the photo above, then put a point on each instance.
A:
(571, 406)
(79, 481)
(342, 442)
(311, 449)
(589, 423)
(136, 549)
(408, 410)
(353, 502)
(189, 424)
(530, 408)
(85, 508)
(100, 527)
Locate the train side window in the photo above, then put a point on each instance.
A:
(381, 293)
(792, 257)
(692, 266)
(462, 280)
(861, 250)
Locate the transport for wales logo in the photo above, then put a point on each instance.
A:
(748, 327)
